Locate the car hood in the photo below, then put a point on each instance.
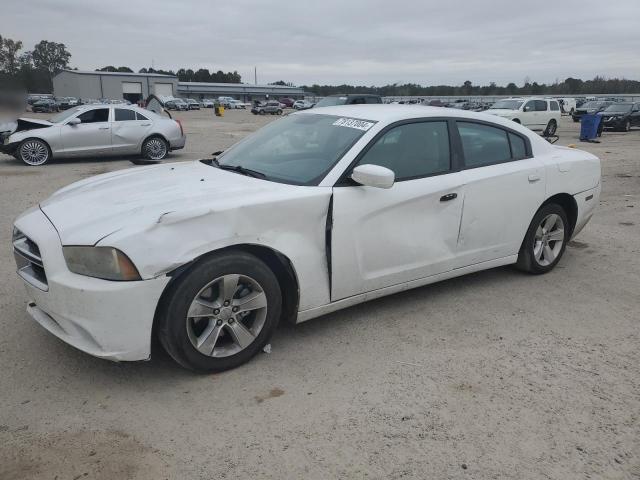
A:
(86, 212)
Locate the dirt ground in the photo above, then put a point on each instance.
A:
(490, 376)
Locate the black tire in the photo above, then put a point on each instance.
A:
(34, 152)
(575, 120)
(279, 112)
(551, 129)
(527, 261)
(172, 324)
(155, 148)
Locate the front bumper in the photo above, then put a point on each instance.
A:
(106, 319)
(616, 122)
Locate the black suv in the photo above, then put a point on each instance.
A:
(592, 107)
(621, 116)
(351, 99)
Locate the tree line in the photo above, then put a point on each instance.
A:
(32, 70)
(570, 86)
(185, 74)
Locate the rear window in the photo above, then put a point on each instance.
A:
(123, 115)
(554, 106)
(518, 147)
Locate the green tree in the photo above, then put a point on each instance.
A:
(51, 57)
(9, 57)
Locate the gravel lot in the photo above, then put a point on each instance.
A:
(493, 375)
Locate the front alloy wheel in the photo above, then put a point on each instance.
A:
(220, 312)
(227, 315)
(33, 152)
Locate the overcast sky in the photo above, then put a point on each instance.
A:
(368, 42)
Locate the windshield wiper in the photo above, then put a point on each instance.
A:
(237, 168)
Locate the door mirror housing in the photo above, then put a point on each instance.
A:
(74, 121)
(373, 176)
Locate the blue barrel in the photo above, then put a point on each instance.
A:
(589, 124)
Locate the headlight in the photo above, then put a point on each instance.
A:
(101, 262)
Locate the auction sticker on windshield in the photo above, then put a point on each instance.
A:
(353, 123)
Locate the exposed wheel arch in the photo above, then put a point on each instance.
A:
(568, 204)
(154, 135)
(517, 120)
(279, 263)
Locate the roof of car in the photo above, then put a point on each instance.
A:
(389, 113)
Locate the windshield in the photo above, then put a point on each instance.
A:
(62, 116)
(331, 101)
(507, 104)
(299, 149)
(592, 105)
(619, 108)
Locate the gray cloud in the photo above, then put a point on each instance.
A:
(369, 42)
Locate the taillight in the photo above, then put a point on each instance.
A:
(180, 125)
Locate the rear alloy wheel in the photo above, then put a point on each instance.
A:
(155, 148)
(34, 152)
(627, 126)
(545, 241)
(552, 126)
(220, 313)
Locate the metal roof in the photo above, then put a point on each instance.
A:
(237, 88)
(122, 74)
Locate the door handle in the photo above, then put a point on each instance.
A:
(534, 178)
(448, 196)
(145, 124)
(103, 128)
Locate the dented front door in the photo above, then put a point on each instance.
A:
(386, 237)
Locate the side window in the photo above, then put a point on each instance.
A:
(357, 101)
(541, 105)
(139, 116)
(123, 115)
(95, 116)
(412, 150)
(483, 145)
(554, 106)
(518, 147)
(372, 100)
(530, 106)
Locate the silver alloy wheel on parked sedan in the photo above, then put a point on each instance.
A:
(548, 240)
(155, 148)
(227, 315)
(627, 126)
(34, 152)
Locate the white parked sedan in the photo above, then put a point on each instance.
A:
(94, 130)
(315, 212)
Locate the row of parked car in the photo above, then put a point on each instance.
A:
(49, 104)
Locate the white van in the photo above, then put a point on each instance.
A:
(539, 114)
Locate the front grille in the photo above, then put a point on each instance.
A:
(29, 260)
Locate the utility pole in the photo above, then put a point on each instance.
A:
(255, 75)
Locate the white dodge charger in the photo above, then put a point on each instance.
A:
(315, 212)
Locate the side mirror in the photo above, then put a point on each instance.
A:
(74, 121)
(373, 176)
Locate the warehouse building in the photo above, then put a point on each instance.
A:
(113, 85)
(245, 92)
(138, 86)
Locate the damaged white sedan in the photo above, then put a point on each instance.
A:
(315, 212)
(93, 130)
